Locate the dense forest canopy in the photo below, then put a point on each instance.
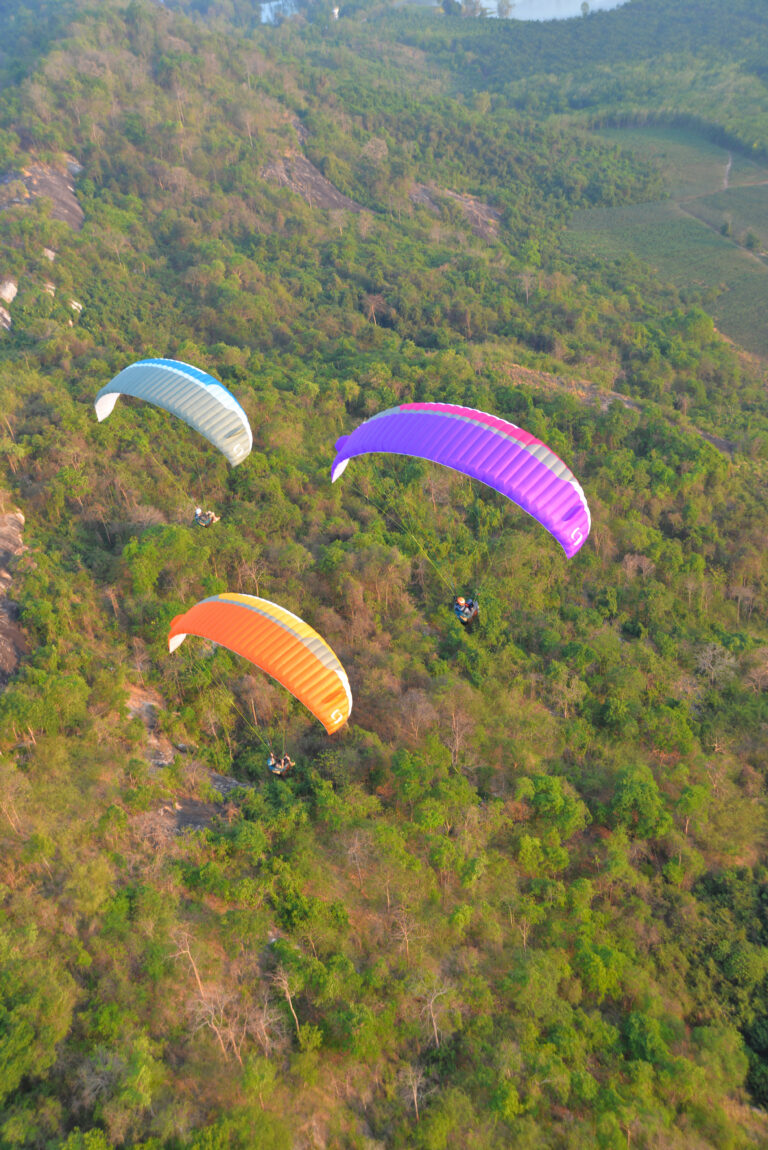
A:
(521, 901)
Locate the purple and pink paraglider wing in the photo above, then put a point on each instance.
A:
(487, 448)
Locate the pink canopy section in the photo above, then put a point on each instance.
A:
(492, 450)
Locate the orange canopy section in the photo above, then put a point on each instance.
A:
(279, 643)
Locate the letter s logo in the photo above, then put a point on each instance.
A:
(336, 717)
(576, 535)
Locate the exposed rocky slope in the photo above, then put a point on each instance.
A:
(12, 642)
(483, 220)
(44, 180)
(301, 176)
(186, 812)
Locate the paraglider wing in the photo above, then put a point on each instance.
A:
(487, 448)
(279, 643)
(196, 397)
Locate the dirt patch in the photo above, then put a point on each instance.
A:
(302, 177)
(13, 645)
(43, 180)
(483, 220)
(175, 818)
(144, 704)
(225, 784)
(178, 815)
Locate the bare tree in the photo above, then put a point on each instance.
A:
(528, 914)
(757, 676)
(459, 728)
(405, 929)
(527, 279)
(691, 584)
(265, 1024)
(715, 662)
(638, 565)
(249, 575)
(228, 1013)
(566, 690)
(282, 983)
(417, 711)
(211, 1010)
(420, 569)
(439, 485)
(743, 595)
(358, 852)
(183, 941)
(414, 1086)
(603, 541)
(375, 305)
(433, 1007)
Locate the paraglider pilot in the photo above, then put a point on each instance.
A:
(465, 610)
(205, 518)
(279, 766)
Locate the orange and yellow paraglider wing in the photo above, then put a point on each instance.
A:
(278, 642)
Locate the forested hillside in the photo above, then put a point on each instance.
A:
(521, 901)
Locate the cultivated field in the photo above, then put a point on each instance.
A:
(742, 210)
(682, 237)
(692, 165)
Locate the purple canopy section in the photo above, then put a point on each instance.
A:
(487, 448)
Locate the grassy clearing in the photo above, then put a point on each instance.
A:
(692, 166)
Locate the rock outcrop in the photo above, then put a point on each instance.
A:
(301, 176)
(12, 642)
(483, 220)
(44, 180)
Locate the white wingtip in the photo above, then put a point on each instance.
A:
(338, 470)
(175, 641)
(105, 404)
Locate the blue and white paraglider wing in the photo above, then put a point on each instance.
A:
(194, 396)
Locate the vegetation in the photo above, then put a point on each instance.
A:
(522, 901)
(710, 236)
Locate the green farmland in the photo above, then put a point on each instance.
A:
(741, 210)
(682, 237)
(692, 165)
